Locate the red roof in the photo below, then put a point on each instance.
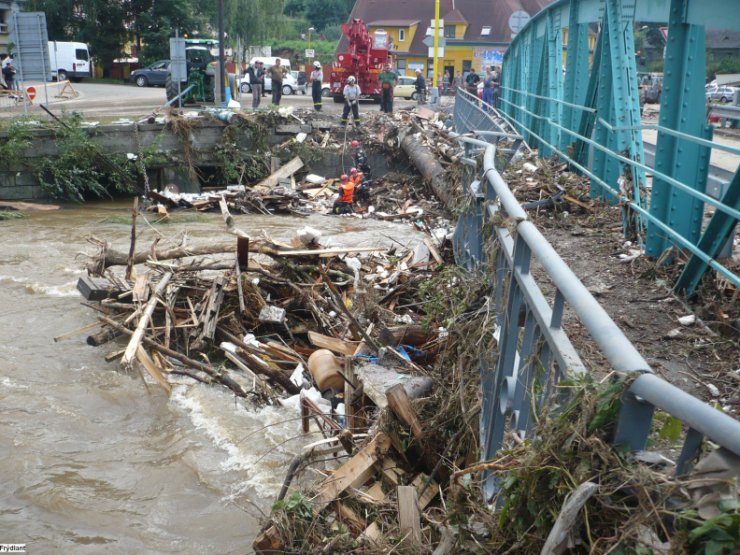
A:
(477, 13)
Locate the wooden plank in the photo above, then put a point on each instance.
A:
(143, 357)
(138, 334)
(333, 343)
(409, 517)
(391, 472)
(242, 252)
(433, 251)
(268, 542)
(141, 289)
(428, 494)
(281, 173)
(400, 404)
(349, 518)
(78, 331)
(365, 458)
(371, 534)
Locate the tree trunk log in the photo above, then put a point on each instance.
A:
(430, 169)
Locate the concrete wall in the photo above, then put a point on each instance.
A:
(19, 182)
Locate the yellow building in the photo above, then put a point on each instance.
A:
(476, 32)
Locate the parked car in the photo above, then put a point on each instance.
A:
(405, 88)
(154, 75)
(290, 84)
(723, 94)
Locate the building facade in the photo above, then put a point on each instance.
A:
(476, 33)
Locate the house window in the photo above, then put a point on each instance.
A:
(485, 31)
(401, 35)
(449, 31)
(401, 64)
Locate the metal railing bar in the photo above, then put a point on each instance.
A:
(698, 415)
(673, 132)
(667, 178)
(734, 279)
(563, 102)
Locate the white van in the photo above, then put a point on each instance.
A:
(69, 60)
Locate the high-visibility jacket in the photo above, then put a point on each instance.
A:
(356, 179)
(346, 191)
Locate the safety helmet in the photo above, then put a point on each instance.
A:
(343, 177)
(353, 171)
(351, 79)
(418, 71)
(317, 64)
(355, 143)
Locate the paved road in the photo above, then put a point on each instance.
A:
(96, 100)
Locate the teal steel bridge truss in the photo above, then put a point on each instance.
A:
(587, 112)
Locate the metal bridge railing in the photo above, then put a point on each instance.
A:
(589, 115)
(534, 351)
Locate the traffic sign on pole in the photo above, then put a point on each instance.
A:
(31, 92)
(429, 41)
(310, 53)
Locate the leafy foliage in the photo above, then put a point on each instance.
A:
(76, 173)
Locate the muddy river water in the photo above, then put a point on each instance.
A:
(91, 460)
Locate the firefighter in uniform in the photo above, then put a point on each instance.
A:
(317, 78)
(351, 101)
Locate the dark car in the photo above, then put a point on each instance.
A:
(153, 76)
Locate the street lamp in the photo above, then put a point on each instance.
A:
(310, 30)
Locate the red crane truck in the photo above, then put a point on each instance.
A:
(365, 58)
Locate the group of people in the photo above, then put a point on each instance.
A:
(257, 73)
(354, 187)
(491, 84)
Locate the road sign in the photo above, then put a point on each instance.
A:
(31, 92)
(31, 45)
(429, 41)
(518, 20)
(440, 52)
(310, 53)
(178, 63)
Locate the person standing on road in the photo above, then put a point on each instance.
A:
(276, 74)
(9, 76)
(351, 101)
(446, 80)
(256, 75)
(421, 87)
(472, 81)
(488, 88)
(388, 80)
(317, 78)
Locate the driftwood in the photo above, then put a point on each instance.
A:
(146, 316)
(429, 167)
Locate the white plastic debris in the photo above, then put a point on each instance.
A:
(251, 340)
(314, 179)
(301, 137)
(228, 346)
(297, 376)
(674, 333)
(688, 320)
(272, 315)
(529, 166)
(354, 264)
(308, 235)
(713, 390)
(131, 156)
(421, 254)
(234, 104)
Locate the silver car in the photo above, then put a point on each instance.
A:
(723, 94)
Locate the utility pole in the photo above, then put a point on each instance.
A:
(435, 65)
(222, 52)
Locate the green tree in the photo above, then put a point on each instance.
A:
(326, 12)
(294, 8)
